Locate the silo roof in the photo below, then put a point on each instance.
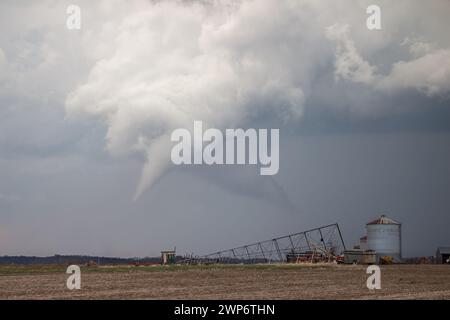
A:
(383, 220)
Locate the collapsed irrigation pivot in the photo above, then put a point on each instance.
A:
(322, 244)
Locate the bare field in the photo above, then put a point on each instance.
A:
(226, 282)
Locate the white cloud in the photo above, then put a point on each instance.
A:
(429, 74)
(349, 64)
(418, 47)
(174, 64)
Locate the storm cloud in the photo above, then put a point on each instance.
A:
(96, 107)
(174, 62)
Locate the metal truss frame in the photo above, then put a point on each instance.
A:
(322, 243)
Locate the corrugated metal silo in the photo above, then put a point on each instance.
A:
(384, 235)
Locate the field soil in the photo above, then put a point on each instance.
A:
(226, 282)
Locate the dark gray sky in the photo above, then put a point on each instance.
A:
(364, 118)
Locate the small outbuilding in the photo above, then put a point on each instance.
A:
(443, 255)
(359, 257)
(363, 243)
(167, 257)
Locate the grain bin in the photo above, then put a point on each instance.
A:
(384, 237)
(363, 243)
